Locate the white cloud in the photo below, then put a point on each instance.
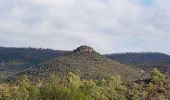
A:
(107, 25)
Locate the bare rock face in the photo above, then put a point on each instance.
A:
(84, 49)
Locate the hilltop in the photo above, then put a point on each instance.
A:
(85, 62)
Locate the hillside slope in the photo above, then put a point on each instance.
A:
(15, 60)
(85, 62)
(140, 58)
(146, 61)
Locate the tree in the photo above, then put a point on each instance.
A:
(74, 80)
(52, 89)
(96, 92)
(157, 76)
(23, 84)
(34, 93)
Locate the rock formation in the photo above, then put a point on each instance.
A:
(84, 49)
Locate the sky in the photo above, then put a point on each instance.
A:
(109, 26)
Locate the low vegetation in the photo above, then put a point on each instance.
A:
(74, 88)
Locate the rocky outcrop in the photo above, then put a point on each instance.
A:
(84, 49)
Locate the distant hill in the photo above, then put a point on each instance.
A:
(85, 62)
(14, 60)
(32, 55)
(140, 58)
(146, 61)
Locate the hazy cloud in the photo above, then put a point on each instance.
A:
(107, 25)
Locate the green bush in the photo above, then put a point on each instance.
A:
(73, 88)
(157, 76)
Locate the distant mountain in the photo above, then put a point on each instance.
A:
(14, 60)
(85, 62)
(146, 61)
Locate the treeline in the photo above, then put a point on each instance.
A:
(140, 58)
(32, 55)
(73, 88)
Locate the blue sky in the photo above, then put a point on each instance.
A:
(147, 2)
(109, 26)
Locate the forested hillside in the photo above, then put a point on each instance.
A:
(31, 55)
(140, 58)
(146, 61)
(82, 74)
(88, 63)
(14, 60)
